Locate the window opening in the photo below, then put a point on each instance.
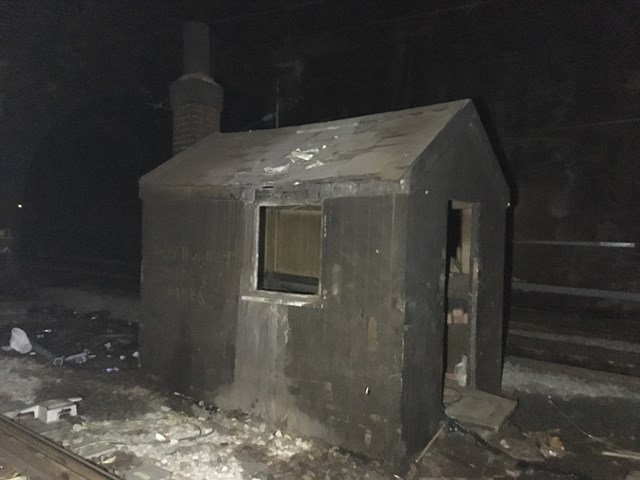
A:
(290, 248)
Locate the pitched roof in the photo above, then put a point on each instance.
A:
(381, 146)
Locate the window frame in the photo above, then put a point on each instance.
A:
(273, 296)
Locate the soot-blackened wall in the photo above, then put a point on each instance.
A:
(458, 173)
(190, 278)
(359, 363)
(332, 368)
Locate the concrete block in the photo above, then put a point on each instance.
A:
(49, 411)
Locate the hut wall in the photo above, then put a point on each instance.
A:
(332, 368)
(190, 279)
(457, 166)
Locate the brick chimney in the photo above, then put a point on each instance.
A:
(196, 99)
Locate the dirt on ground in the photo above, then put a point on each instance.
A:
(569, 423)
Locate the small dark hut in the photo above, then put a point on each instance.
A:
(327, 277)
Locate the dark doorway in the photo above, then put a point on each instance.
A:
(461, 283)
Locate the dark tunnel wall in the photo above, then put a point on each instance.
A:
(81, 195)
(558, 86)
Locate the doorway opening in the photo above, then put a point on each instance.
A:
(461, 288)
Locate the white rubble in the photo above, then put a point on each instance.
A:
(202, 446)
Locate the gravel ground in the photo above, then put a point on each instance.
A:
(173, 433)
(568, 384)
(15, 383)
(142, 425)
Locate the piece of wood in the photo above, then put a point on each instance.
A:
(628, 454)
(480, 409)
(430, 444)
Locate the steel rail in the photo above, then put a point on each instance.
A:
(35, 455)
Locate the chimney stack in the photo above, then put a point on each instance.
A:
(196, 99)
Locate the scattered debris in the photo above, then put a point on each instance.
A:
(107, 459)
(518, 446)
(297, 158)
(78, 358)
(460, 372)
(20, 341)
(147, 471)
(63, 335)
(552, 447)
(628, 454)
(304, 155)
(208, 443)
(54, 359)
(14, 475)
(91, 450)
(275, 170)
(549, 443)
(431, 442)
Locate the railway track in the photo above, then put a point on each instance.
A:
(36, 457)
